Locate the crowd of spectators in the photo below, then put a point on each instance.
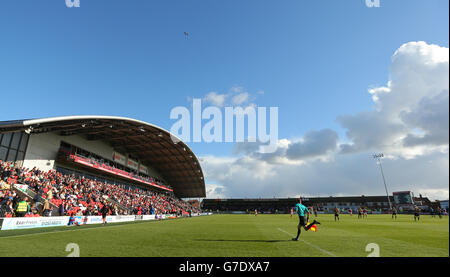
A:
(98, 161)
(136, 175)
(77, 195)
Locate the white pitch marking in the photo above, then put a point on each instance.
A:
(310, 244)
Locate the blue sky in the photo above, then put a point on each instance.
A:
(315, 60)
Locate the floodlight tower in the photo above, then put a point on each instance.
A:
(378, 157)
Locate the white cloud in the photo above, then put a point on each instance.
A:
(215, 191)
(236, 96)
(431, 118)
(411, 111)
(240, 98)
(433, 194)
(215, 98)
(314, 143)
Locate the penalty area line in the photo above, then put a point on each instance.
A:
(310, 244)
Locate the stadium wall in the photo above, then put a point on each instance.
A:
(41, 151)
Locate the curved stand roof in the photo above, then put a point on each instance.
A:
(153, 145)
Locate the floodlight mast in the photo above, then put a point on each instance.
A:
(378, 157)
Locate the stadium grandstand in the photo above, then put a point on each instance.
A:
(404, 200)
(76, 164)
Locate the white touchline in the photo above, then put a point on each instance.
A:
(310, 244)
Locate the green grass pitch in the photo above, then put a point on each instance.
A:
(238, 236)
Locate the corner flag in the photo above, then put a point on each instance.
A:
(313, 227)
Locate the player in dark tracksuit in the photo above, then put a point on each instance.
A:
(336, 213)
(394, 213)
(104, 211)
(417, 214)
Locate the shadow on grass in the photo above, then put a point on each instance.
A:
(240, 240)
